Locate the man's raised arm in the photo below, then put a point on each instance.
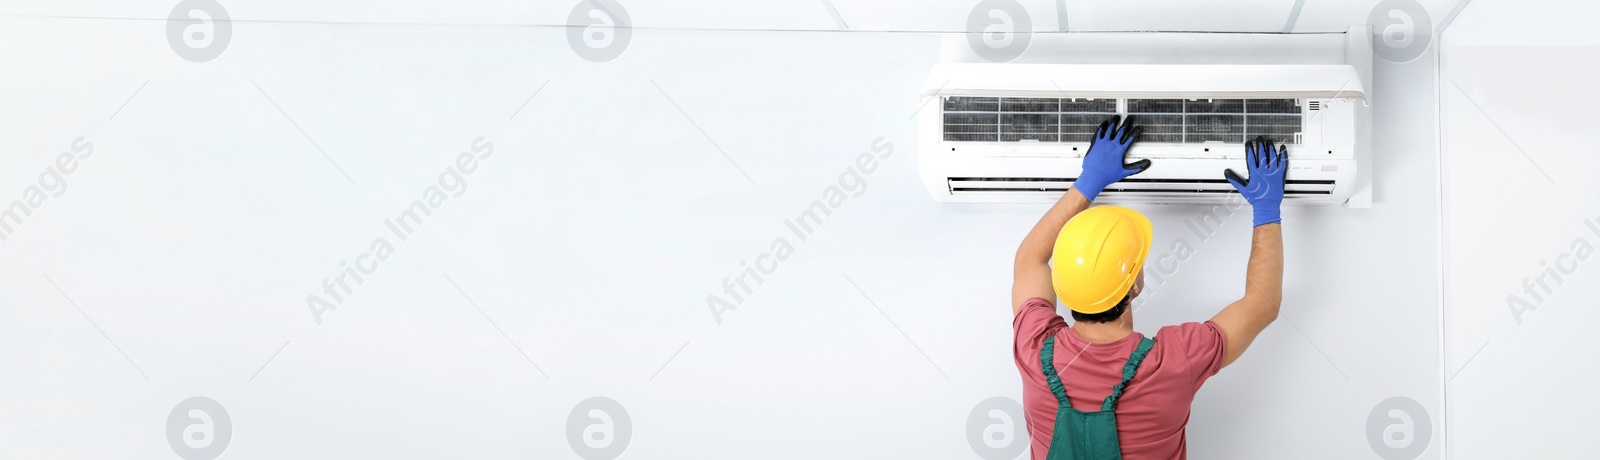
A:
(1245, 318)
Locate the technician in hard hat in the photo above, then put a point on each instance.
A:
(1129, 394)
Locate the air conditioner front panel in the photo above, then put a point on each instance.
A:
(1017, 131)
(996, 159)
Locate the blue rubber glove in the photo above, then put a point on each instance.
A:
(1104, 164)
(1268, 166)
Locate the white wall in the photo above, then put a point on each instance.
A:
(1517, 84)
(578, 261)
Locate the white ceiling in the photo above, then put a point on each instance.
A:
(874, 15)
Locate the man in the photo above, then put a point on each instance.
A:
(1097, 389)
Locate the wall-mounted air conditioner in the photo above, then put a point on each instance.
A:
(1017, 131)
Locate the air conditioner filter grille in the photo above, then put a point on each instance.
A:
(1009, 119)
(1229, 121)
(1012, 119)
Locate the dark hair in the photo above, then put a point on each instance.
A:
(1105, 316)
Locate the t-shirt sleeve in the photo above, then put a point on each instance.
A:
(1033, 322)
(1202, 345)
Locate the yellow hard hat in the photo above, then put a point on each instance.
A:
(1098, 256)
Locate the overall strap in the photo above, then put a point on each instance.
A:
(1047, 358)
(1127, 372)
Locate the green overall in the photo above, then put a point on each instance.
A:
(1083, 435)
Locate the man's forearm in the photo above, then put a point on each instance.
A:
(1244, 319)
(1039, 243)
(1264, 277)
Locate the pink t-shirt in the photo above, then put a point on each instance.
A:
(1154, 408)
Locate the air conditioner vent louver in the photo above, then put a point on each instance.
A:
(1003, 185)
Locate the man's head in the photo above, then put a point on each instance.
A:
(1098, 264)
